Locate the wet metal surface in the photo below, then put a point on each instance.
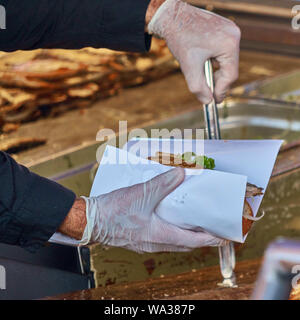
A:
(163, 104)
(282, 217)
(257, 119)
(198, 284)
(288, 159)
(281, 202)
(283, 91)
(281, 205)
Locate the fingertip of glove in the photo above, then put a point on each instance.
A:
(205, 99)
(220, 98)
(173, 177)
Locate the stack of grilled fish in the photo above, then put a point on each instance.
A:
(42, 83)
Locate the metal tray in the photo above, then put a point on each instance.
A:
(284, 89)
(239, 119)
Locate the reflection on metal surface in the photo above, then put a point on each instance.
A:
(227, 265)
(283, 89)
(276, 277)
(281, 202)
(265, 122)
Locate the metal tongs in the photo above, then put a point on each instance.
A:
(226, 253)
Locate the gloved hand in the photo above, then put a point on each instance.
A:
(126, 218)
(193, 36)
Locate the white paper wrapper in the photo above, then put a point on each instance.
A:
(252, 158)
(210, 200)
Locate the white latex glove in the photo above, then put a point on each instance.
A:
(126, 218)
(193, 36)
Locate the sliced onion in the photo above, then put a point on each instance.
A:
(253, 218)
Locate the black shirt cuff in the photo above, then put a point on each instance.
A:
(31, 207)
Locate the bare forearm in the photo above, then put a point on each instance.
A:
(153, 6)
(75, 222)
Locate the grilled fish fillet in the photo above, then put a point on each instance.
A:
(251, 189)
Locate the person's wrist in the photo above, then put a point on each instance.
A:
(152, 8)
(75, 222)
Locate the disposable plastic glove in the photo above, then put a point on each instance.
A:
(193, 36)
(126, 218)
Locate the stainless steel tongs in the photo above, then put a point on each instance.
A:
(226, 253)
(211, 110)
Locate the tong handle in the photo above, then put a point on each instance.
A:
(226, 253)
(211, 109)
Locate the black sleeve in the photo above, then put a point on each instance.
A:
(31, 207)
(74, 24)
